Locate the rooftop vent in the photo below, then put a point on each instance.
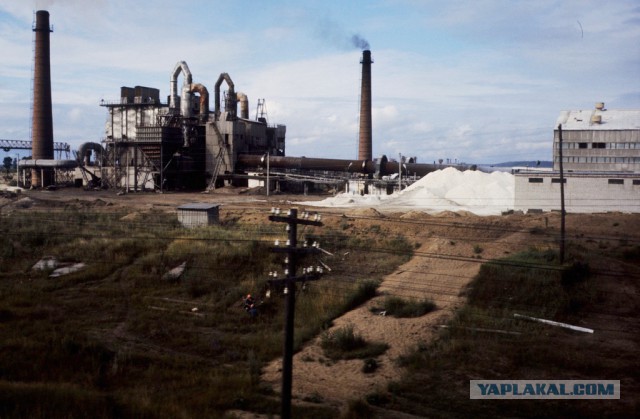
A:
(600, 106)
(596, 119)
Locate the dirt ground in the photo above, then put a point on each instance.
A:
(450, 250)
(444, 264)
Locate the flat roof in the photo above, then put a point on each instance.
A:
(594, 174)
(198, 206)
(614, 119)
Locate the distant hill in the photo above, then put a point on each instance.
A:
(532, 163)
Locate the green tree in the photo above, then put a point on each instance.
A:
(8, 161)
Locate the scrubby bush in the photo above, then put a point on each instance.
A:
(345, 343)
(399, 307)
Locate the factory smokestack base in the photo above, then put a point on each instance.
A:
(42, 128)
(365, 140)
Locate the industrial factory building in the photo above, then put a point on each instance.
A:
(180, 144)
(600, 158)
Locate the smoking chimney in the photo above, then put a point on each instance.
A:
(42, 128)
(365, 143)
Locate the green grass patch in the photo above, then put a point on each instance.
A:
(400, 307)
(116, 340)
(346, 343)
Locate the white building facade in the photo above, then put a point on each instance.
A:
(583, 192)
(601, 165)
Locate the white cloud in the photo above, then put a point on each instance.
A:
(475, 81)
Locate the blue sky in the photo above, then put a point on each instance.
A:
(479, 81)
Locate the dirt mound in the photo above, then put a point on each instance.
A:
(24, 203)
(131, 217)
(415, 215)
(447, 214)
(366, 212)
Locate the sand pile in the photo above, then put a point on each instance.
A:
(443, 190)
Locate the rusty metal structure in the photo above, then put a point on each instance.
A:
(42, 121)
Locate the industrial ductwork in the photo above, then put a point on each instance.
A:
(84, 152)
(46, 164)
(181, 66)
(231, 96)
(244, 105)
(383, 167)
(204, 99)
(305, 163)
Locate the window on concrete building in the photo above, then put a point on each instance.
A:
(616, 181)
(582, 145)
(599, 145)
(636, 181)
(536, 180)
(557, 180)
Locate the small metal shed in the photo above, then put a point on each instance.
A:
(198, 214)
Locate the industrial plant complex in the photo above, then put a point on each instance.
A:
(152, 144)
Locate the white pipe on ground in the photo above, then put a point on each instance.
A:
(552, 323)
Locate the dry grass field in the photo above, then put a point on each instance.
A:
(119, 339)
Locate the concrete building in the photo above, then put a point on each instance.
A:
(598, 140)
(198, 214)
(584, 192)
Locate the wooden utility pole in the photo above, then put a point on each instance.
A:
(562, 212)
(289, 283)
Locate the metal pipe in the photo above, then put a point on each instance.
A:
(185, 101)
(248, 161)
(244, 105)
(47, 164)
(181, 66)
(204, 98)
(382, 168)
(230, 108)
(83, 152)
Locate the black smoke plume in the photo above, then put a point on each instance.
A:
(359, 42)
(333, 32)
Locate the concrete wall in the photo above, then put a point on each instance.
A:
(584, 193)
(122, 121)
(198, 217)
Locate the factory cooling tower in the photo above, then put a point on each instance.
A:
(42, 128)
(365, 142)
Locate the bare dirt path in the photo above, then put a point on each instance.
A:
(443, 265)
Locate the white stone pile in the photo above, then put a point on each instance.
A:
(443, 190)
